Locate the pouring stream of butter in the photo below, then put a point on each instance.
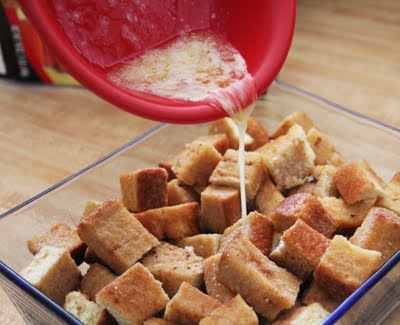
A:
(196, 67)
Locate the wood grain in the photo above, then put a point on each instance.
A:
(8, 313)
(349, 52)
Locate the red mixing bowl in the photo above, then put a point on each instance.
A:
(261, 30)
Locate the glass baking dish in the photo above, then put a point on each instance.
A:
(356, 136)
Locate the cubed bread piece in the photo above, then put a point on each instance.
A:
(190, 306)
(61, 236)
(300, 118)
(347, 217)
(344, 267)
(173, 222)
(219, 141)
(320, 183)
(194, 165)
(315, 294)
(265, 286)
(227, 172)
(300, 249)
(234, 311)
(158, 321)
(306, 207)
(257, 131)
(228, 127)
(144, 189)
(325, 151)
(133, 297)
(380, 232)
(173, 265)
(180, 193)
(390, 199)
(214, 288)
(90, 206)
(312, 314)
(95, 279)
(268, 197)
(167, 165)
(220, 208)
(204, 245)
(357, 182)
(256, 227)
(111, 231)
(53, 272)
(290, 159)
(88, 312)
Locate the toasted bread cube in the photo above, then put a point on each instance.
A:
(306, 207)
(167, 165)
(290, 159)
(312, 314)
(315, 294)
(390, 199)
(194, 165)
(268, 197)
(190, 306)
(234, 311)
(173, 265)
(158, 321)
(53, 272)
(110, 231)
(220, 208)
(320, 183)
(265, 286)
(133, 297)
(347, 217)
(90, 206)
(180, 193)
(61, 236)
(95, 279)
(257, 131)
(325, 151)
(357, 182)
(300, 249)
(88, 312)
(144, 189)
(219, 141)
(299, 118)
(344, 267)
(256, 227)
(380, 232)
(173, 222)
(204, 245)
(214, 288)
(228, 127)
(227, 172)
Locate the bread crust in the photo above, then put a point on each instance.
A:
(265, 286)
(189, 306)
(144, 189)
(61, 236)
(344, 267)
(220, 208)
(133, 297)
(110, 230)
(174, 265)
(300, 249)
(306, 207)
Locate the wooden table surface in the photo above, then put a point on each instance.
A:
(345, 51)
